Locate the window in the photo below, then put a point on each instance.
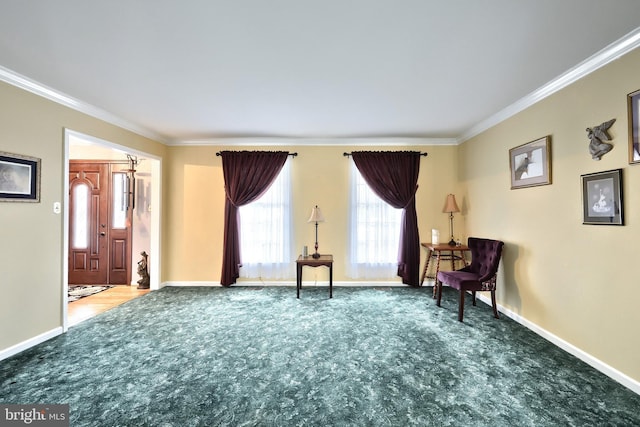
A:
(265, 236)
(119, 202)
(375, 233)
(80, 221)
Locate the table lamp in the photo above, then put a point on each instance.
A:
(316, 216)
(450, 207)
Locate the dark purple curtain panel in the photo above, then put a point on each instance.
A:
(393, 176)
(247, 176)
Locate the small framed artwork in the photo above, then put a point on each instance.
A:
(602, 198)
(530, 163)
(633, 110)
(19, 178)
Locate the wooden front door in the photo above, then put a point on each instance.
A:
(99, 224)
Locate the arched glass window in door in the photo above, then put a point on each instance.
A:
(80, 220)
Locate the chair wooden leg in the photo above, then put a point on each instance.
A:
(474, 297)
(439, 294)
(493, 303)
(461, 305)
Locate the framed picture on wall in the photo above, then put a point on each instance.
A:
(530, 163)
(19, 178)
(633, 110)
(602, 198)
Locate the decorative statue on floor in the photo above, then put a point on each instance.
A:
(143, 271)
(597, 136)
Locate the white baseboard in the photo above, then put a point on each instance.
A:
(609, 371)
(8, 352)
(174, 283)
(305, 284)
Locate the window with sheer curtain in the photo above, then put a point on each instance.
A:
(374, 233)
(265, 236)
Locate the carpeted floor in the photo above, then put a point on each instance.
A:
(260, 357)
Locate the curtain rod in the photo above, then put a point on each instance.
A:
(289, 154)
(421, 154)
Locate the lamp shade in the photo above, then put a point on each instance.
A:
(451, 205)
(316, 215)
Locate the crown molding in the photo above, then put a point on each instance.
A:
(22, 82)
(609, 54)
(283, 141)
(25, 83)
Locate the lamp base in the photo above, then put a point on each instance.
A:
(316, 255)
(452, 242)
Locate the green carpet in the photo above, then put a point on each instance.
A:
(260, 357)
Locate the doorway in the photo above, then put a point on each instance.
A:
(100, 213)
(143, 219)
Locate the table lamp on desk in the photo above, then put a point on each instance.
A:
(316, 216)
(450, 207)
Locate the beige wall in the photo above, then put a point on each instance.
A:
(578, 282)
(320, 175)
(31, 234)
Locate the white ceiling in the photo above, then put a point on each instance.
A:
(198, 70)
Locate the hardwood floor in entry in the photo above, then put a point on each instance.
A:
(88, 307)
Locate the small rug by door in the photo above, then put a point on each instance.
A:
(80, 291)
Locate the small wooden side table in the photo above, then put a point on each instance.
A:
(444, 252)
(324, 260)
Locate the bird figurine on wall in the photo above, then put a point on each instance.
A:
(597, 137)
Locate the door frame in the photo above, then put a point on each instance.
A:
(156, 203)
(108, 169)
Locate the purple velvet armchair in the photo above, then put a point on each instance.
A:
(480, 275)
